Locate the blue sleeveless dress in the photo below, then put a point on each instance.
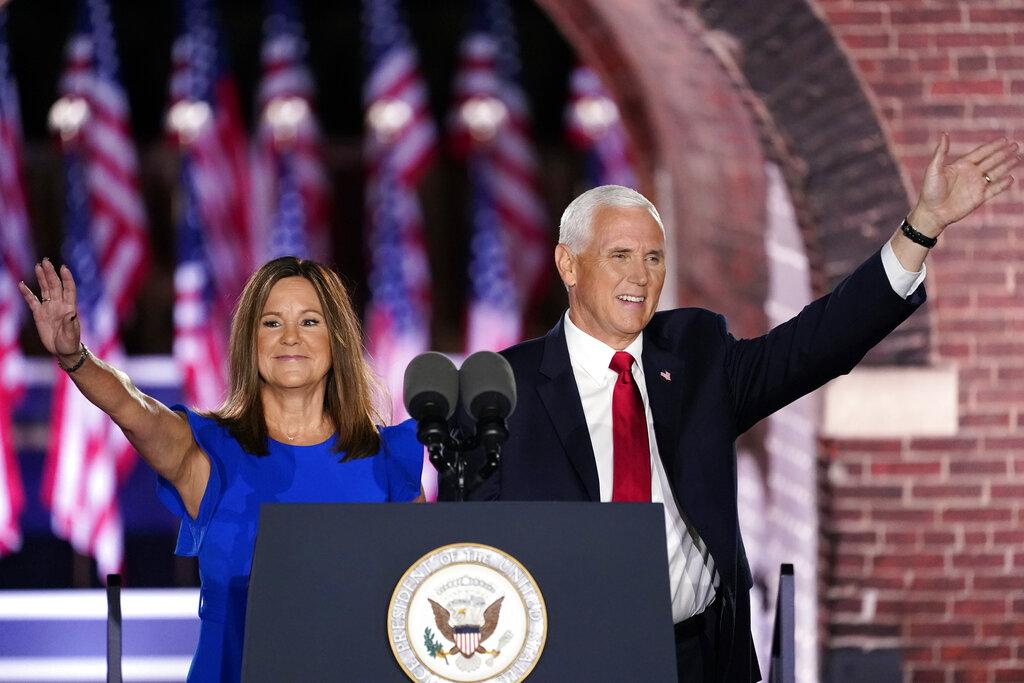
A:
(224, 532)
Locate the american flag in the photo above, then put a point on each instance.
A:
(105, 140)
(105, 247)
(491, 119)
(12, 495)
(199, 348)
(398, 319)
(400, 142)
(493, 320)
(593, 126)
(15, 237)
(287, 236)
(205, 118)
(88, 456)
(395, 96)
(291, 184)
(15, 263)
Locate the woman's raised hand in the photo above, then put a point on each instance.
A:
(55, 311)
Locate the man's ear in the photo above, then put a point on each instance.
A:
(566, 264)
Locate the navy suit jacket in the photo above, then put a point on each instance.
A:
(719, 387)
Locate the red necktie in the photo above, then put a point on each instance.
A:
(631, 451)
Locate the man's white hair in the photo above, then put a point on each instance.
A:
(576, 227)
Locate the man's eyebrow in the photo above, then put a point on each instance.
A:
(630, 250)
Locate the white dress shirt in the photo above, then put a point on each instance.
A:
(691, 569)
(903, 281)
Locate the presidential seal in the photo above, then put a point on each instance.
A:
(465, 613)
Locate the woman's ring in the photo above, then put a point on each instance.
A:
(43, 300)
(987, 179)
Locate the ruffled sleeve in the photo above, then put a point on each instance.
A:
(209, 435)
(404, 457)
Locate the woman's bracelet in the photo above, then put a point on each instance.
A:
(78, 363)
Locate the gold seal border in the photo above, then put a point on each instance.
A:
(466, 544)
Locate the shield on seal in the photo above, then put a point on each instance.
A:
(467, 638)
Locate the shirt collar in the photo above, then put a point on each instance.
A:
(592, 355)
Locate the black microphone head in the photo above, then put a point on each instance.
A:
(487, 384)
(431, 385)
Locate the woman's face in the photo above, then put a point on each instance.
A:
(292, 343)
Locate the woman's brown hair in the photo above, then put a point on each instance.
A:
(351, 386)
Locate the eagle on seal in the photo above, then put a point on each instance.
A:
(467, 637)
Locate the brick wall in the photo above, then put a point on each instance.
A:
(931, 531)
(834, 149)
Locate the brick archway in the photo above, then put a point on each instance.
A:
(699, 147)
(710, 89)
(713, 92)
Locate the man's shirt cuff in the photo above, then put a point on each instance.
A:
(903, 281)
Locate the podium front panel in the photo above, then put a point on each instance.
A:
(323, 576)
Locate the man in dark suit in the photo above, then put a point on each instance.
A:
(619, 403)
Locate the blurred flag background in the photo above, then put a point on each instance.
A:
(105, 244)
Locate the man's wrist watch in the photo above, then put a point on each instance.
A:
(917, 237)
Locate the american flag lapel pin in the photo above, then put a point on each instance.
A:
(666, 375)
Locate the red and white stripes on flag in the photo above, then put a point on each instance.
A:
(200, 347)
(593, 125)
(400, 143)
(15, 263)
(88, 456)
(119, 219)
(15, 236)
(205, 118)
(491, 108)
(12, 495)
(105, 246)
(493, 316)
(87, 460)
(289, 146)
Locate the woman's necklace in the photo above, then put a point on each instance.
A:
(317, 430)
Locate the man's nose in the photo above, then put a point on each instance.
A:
(638, 272)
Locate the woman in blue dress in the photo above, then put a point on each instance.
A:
(298, 425)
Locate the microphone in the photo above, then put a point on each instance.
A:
(488, 390)
(431, 392)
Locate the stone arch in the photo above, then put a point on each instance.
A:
(710, 89)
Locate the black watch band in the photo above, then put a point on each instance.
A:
(917, 237)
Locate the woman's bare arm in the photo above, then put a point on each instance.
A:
(161, 436)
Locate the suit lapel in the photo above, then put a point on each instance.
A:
(663, 375)
(561, 399)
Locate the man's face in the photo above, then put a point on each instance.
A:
(615, 281)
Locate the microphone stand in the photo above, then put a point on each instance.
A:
(449, 458)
